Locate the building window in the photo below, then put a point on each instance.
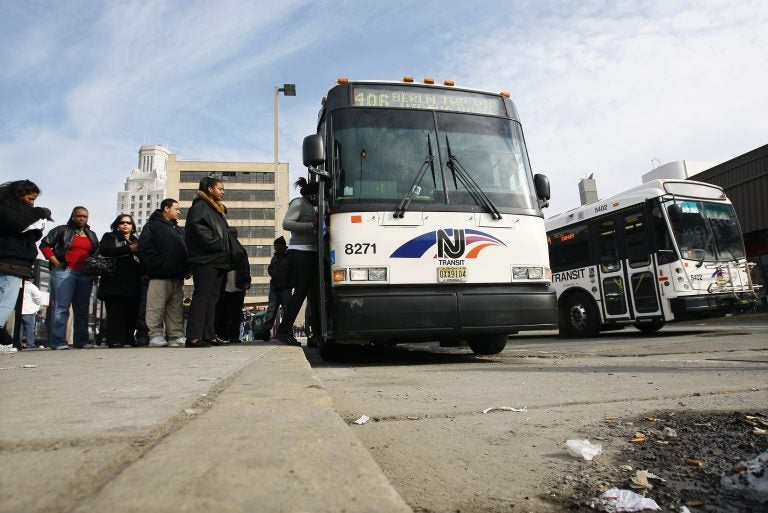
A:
(259, 270)
(233, 195)
(228, 176)
(251, 213)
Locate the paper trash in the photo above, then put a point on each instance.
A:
(582, 448)
(504, 408)
(362, 420)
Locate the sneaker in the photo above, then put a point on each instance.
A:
(158, 342)
(177, 342)
(60, 348)
(88, 346)
(35, 348)
(7, 349)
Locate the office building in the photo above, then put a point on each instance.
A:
(146, 185)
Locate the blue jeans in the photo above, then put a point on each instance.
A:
(28, 328)
(70, 288)
(9, 293)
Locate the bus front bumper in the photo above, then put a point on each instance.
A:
(395, 314)
(711, 305)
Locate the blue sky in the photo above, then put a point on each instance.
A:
(601, 87)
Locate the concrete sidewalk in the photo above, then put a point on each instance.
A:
(246, 428)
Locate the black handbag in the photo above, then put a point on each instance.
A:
(98, 265)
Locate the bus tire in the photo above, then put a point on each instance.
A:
(649, 327)
(329, 351)
(491, 344)
(579, 317)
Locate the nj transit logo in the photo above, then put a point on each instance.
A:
(451, 243)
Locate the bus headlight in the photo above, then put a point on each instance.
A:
(527, 273)
(368, 274)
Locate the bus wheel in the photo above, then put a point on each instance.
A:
(649, 327)
(329, 351)
(579, 317)
(491, 344)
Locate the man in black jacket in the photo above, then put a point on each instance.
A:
(163, 254)
(279, 286)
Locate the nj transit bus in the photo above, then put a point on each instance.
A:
(433, 220)
(667, 250)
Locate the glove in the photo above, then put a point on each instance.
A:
(43, 213)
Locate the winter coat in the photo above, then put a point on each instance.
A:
(125, 281)
(280, 270)
(243, 274)
(162, 251)
(60, 238)
(17, 247)
(206, 233)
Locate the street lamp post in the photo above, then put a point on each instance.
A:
(287, 90)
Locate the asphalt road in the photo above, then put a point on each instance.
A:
(428, 434)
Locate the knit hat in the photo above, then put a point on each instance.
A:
(280, 240)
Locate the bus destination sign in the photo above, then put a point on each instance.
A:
(432, 99)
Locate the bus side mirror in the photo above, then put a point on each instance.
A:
(541, 183)
(675, 213)
(313, 150)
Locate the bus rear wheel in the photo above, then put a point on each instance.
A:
(492, 344)
(579, 317)
(649, 327)
(329, 351)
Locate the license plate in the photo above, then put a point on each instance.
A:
(452, 274)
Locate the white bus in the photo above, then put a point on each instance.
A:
(433, 217)
(667, 250)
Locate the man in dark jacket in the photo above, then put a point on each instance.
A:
(163, 254)
(279, 286)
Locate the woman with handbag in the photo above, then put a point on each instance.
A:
(120, 290)
(206, 234)
(67, 247)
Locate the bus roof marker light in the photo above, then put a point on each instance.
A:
(408, 80)
(429, 80)
(505, 94)
(342, 80)
(449, 83)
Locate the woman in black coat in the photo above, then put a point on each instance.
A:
(21, 225)
(206, 233)
(120, 292)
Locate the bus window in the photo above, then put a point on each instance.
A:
(638, 253)
(569, 248)
(666, 251)
(613, 292)
(609, 258)
(644, 292)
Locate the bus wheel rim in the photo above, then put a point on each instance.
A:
(578, 316)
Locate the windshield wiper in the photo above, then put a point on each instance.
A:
(480, 197)
(429, 160)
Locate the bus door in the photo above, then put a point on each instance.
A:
(635, 251)
(611, 270)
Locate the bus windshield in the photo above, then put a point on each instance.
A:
(378, 153)
(706, 231)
